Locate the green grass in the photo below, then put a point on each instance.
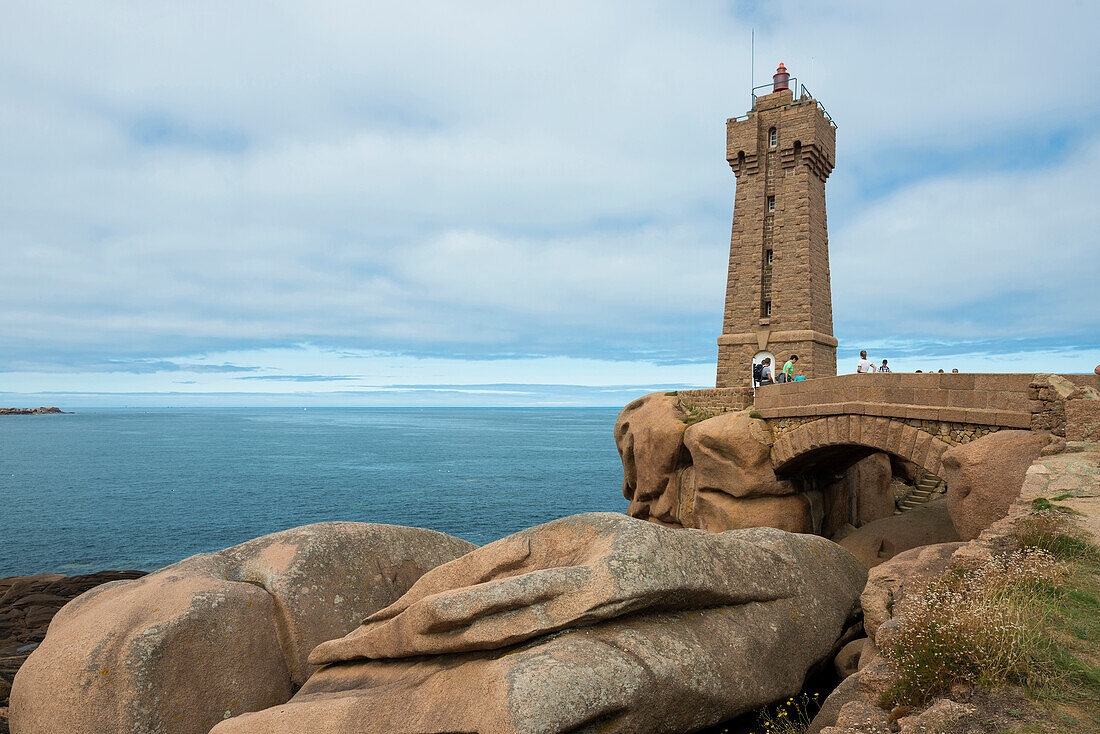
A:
(1051, 529)
(1029, 617)
(695, 415)
(1041, 504)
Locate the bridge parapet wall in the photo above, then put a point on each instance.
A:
(1002, 400)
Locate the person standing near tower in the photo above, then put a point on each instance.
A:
(864, 364)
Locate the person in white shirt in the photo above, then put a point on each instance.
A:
(864, 364)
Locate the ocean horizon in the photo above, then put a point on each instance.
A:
(141, 488)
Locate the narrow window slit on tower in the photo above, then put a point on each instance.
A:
(767, 309)
(771, 203)
(773, 138)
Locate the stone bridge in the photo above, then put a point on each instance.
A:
(829, 423)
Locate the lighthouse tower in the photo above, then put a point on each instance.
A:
(778, 297)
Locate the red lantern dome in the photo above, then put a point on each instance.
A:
(780, 78)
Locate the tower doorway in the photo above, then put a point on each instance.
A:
(758, 359)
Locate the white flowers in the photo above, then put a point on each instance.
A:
(971, 626)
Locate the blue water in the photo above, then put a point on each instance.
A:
(139, 489)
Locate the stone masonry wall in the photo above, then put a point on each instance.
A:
(796, 282)
(716, 400)
(1066, 405)
(952, 433)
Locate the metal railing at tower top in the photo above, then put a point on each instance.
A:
(801, 94)
(807, 95)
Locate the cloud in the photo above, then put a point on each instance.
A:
(486, 182)
(298, 378)
(976, 257)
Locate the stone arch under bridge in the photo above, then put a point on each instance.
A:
(838, 441)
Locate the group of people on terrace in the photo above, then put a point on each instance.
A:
(764, 373)
(865, 365)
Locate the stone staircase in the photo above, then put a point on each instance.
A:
(928, 486)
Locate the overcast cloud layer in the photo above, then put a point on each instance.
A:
(262, 198)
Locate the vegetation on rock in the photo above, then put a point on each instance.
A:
(695, 415)
(790, 717)
(1029, 615)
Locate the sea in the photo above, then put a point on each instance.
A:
(141, 488)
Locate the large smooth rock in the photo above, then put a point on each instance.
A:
(846, 692)
(732, 455)
(883, 539)
(943, 715)
(846, 662)
(593, 622)
(218, 634)
(27, 604)
(871, 479)
(906, 573)
(984, 477)
(719, 512)
(650, 437)
(862, 495)
(713, 475)
(859, 717)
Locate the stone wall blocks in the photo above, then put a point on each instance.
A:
(781, 450)
(908, 443)
(798, 441)
(935, 452)
(819, 432)
(957, 382)
(855, 428)
(877, 409)
(961, 399)
(1012, 419)
(952, 415)
(874, 394)
(904, 395)
(1007, 401)
(890, 380)
(1018, 383)
(893, 437)
(879, 433)
(844, 428)
(920, 450)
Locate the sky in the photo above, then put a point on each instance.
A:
(519, 203)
